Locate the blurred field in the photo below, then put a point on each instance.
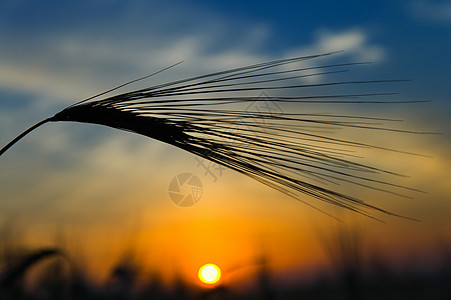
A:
(53, 273)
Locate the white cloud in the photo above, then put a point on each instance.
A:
(71, 68)
(65, 69)
(353, 42)
(62, 70)
(433, 11)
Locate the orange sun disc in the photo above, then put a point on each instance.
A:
(209, 273)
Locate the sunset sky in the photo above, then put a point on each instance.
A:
(105, 192)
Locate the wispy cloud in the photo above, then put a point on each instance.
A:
(55, 69)
(66, 68)
(72, 67)
(355, 43)
(96, 179)
(432, 11)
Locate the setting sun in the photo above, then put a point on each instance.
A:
(209, 273)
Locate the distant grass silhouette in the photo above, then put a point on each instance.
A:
(126, 280)
(18, 270)
(287, 152)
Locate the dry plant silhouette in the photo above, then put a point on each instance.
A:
(59, 273)
(290, 152)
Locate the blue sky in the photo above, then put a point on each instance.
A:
(414, 34)
(55, 53)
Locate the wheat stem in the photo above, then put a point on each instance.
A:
(23, 134)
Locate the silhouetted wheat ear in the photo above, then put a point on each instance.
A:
(16, 271)
(290, 152)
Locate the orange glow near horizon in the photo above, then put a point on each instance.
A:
(236, 222)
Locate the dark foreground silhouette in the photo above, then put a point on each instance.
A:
(54, 275)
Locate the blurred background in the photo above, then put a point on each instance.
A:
(88, 208)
